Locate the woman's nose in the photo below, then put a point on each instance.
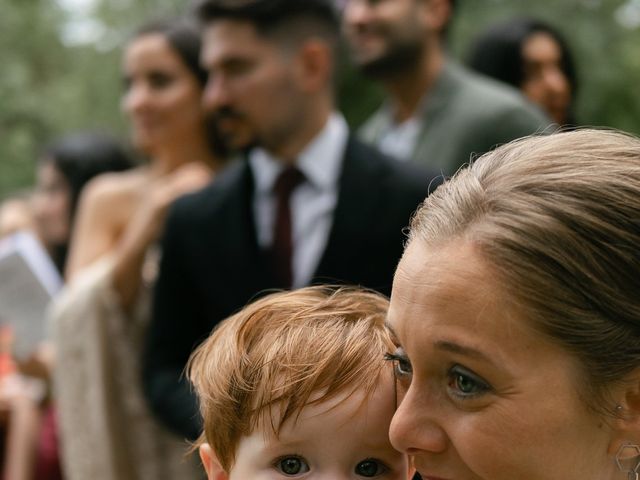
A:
(556, 81)
(415, 427)
(135, 99)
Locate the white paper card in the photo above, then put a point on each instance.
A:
(28, 282)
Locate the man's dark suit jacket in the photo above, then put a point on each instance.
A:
(212, 265)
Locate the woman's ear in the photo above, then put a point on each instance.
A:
(627, 414)
(211, 463)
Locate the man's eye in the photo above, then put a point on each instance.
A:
(370, 468)
(465, 384)
(292, 465)
(238, 67)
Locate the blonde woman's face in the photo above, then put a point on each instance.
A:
(483, 395)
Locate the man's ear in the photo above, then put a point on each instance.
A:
(211, 463)
(315, 65)
(626, 423)
(437, 14)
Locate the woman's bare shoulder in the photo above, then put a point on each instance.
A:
(105, 208)
(120, 187)
(108, 200)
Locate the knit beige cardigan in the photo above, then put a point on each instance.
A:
(106, 429)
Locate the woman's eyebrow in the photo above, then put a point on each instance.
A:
(467, 351)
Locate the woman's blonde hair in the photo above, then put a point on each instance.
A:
(266, 361)
(558, 219)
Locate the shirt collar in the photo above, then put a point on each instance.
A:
(320, 161)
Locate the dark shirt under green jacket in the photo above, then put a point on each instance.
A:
(463, 114)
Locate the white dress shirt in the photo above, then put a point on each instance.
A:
(400, 141)
(312, 202)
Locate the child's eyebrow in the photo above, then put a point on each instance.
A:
(277, 445)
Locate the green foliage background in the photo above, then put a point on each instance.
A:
(50, 85)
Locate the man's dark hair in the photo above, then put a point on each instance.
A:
(290, 20)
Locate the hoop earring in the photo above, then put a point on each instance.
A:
(625, 452)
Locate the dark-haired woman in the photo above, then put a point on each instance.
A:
(64, 169)
(534, 57)
(101, 318)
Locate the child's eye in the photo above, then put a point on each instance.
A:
(465, 384)
(370, 468)
(291, 465)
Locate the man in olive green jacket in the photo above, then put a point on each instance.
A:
(438, 114)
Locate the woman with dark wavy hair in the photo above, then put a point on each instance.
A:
(65, 167)
(534, 57)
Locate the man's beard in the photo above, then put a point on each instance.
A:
(400, 58)
(222, 142)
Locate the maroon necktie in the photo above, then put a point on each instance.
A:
(282, 248)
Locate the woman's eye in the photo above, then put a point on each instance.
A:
(466, 384)
(370, 468)
(401, 364)
(292, 465)
(160, 80)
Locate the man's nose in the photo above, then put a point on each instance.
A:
(356, 12)
(216, 95)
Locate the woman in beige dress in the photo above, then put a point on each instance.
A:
(100, 319)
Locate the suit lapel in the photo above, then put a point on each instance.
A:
(355, 210)
(244, 261)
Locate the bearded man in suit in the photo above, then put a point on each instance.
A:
(437, 113)
(307, 204)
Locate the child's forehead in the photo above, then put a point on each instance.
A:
(341, 411)
(333, 434)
